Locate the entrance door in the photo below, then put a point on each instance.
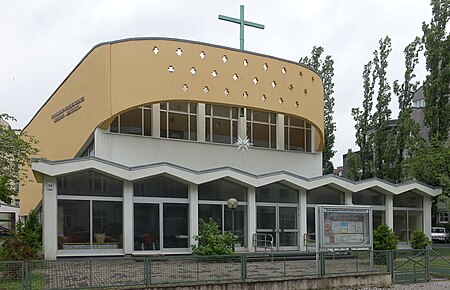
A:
(281, 222)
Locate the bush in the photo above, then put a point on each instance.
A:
(384, 239)
(25, 242)
(419, 240)
(211, 241)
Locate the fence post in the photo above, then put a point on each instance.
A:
(24, 275)
(391, 263)
(322, 264)
(243, 267)
(427, 263)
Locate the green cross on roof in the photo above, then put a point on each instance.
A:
(241, 22)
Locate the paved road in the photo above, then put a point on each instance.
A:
(433, 285)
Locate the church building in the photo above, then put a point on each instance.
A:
(148, 135)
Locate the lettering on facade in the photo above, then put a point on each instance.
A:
(67, 110)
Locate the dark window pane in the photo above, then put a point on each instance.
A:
(308, 141)
(160, 187)
(147, 122)
(297, 122)
(107, 225)
(408, 199)
(273, 137)
(265, 217)
(324, 195)
(221, 111)
(240, 222)
(146, 227)
(368, 197)
(259, 116)
(296, 139)
(221, 190)
(131, 122)
(89, 183)
(207, 211)
(114, 127)
(208, 129)
(74, 225)
(175, 225)
(260, 135)
(178, 126)
(221, 131)
(178, 106)
(163, 124)
(276, 192)
(193, 128)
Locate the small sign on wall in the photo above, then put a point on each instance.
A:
(50, 185)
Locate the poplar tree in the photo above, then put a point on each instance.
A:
(436, 86)
(363, 119)
(407, 136)
(326, 70)
(383, 137)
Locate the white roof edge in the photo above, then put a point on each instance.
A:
(63, 167)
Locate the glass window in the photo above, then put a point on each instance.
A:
(160, 186)
(276, 192)
(114, 127)
(131, 122)
(324, 195)
(368, 197)
(297, 134)
(443, 217)
(240, 223)
(74, 217)
(107, 224)
(89, 183)
(405, 222)
(221, 190)
(178, 120)
(220, 124)
(214, 211)
(146, 227)
(408, 199)
(147, 122)
(378, 218)
(8, 220)
(261, 128)
(175, 225)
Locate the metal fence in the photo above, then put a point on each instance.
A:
(91, 273)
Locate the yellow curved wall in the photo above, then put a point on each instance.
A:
(116, 76)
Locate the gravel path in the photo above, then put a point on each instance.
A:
(433, 285)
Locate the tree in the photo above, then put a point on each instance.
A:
(25, 242)
(15, 152)
(407, 130)
(326, 70)
(436, 85)
(211, 241)
(363, 119)
(383, 137)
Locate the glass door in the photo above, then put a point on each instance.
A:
(146, 227)
(281, 222)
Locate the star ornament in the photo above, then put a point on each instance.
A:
(243, 144)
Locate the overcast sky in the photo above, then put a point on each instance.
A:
(42, 41)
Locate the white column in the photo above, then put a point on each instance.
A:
(50, 218)
(348, 198)
(251, 217)
(193, 212)
(427, 201)
(390, 211)
(302, 218)
(155, 120)
(201, 122)
(128, 217)
(280, 132)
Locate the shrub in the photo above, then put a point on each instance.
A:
(25, 242)
(419, 240)
(384, 239)
(211, 241)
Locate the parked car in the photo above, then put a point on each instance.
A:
(440, 234)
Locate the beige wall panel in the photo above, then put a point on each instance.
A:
(63, 139)
(139, 76)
